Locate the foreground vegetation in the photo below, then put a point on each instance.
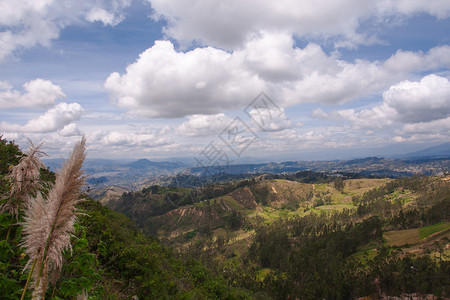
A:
(109, 257)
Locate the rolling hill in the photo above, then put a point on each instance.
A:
(256, 229)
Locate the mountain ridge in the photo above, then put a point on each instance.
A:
(441, 150)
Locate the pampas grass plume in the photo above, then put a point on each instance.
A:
(83, 295)
(49, 223)
(25, 178)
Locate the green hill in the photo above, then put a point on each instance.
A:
(290, 239)
(303, 236)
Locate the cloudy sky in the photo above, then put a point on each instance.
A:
(285, 79)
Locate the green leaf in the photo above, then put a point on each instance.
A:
(5, 220)
(24, 276)
(5, 250)
(9, 286)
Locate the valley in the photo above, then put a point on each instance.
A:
(256, 227)
(130, 175)
(272, 235)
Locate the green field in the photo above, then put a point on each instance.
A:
(335, 207)
(428, 230)
(402, 237)
(413, 236)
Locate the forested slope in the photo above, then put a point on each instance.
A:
(333, 238)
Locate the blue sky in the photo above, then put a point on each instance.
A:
(171, 78)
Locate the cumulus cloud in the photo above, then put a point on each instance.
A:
(162, 80)
(54, 119)
(143, 137)
(442, 125)
(36, 22)
(166, 83)
(423, 101)
(229, 24)
(285, 134)
(39, 93)
(330, 80)
(420, 106)
(329, 137)
(272, 56)
(406, 61)
(203, 125)
(55, 145)
(70, 130)
(440, 9)
(270, 119)
(225, 24)
(312, 136)
(378, 117)
(102, 15)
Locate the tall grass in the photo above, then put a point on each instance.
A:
(49, 222)
(25, 179)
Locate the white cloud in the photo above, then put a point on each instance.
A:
(226, 24)
(229, 24)
(203, 125)
(70, 130)
(166, 83)
(39, 93)
(320, 114)
(54, 119)
(330, 80)
(162, 81)
(28, 23)
(328, 137)
(422, 101)
(54, 144)
(421, 138)
(101, 15)
(285, 134)
(440, 9)
(437, 130)
(407, 61)
(124, 139)
(378, 117)
(442, 125)
(272, 56)
(312, 136)
(270, 119)
(419, 106)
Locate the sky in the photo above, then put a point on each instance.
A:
(225, 81)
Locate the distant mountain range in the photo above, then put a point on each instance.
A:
(132, 175)
(145, 164)
(125, 174)
(370, 166)
(442, 150)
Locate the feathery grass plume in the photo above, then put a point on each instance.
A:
(83, 295)
(49, 224)
(25, 178)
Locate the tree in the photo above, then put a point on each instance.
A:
(235, 220)
(10, 155)
(339, 184)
